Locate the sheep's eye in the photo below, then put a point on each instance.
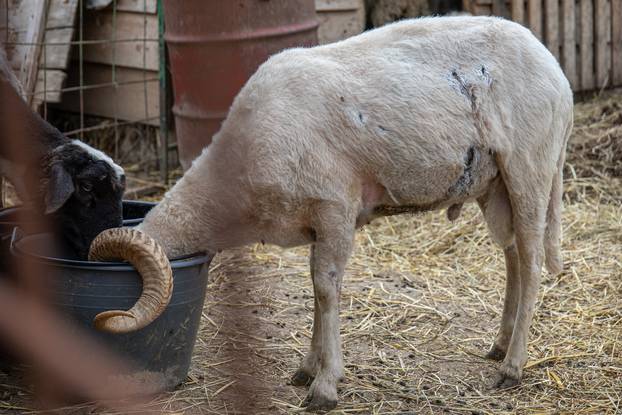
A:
(86, 186)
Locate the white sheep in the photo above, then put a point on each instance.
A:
(418, 115)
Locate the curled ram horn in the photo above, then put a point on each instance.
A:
(150, 261)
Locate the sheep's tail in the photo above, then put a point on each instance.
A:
(553, 232)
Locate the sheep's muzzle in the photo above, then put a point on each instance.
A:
(150, 260)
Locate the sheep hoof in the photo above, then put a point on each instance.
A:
(507, 378)
(496, 353)
(301, 378)
(506, 382)
(314, 403)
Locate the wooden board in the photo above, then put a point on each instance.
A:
(55, 51)
(129, 26)
(500, 8)
(602, 22)
(26, 29)
(482, 9)
(616, 41)
(61, 14)
(551, 26)
(126, 102)
(49, 88)
(587, 45)
(534, 8)
(339, 19)
(569, 45)
(4, 18)
(518, 11)
(137, 6)
(337, 5)
(54, 55)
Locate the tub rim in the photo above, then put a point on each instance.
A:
(183, 261)
(126, 222)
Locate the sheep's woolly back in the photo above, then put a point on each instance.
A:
(7, 73)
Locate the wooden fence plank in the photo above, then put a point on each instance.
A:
(48, 89)
(535, 17)
(61, 14)
(518, 11)
(569, 45)
(99, 26)
(500, 8)
(336, 5)
(137, 6)
(587, 45)
(602, 26)
(55, 51)
(4, 24)
(551, 32)
(125, 101)
(36, 12)
(616, 41)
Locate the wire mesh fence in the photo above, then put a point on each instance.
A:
(93, 69)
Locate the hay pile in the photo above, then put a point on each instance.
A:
(595, 149)
(421, 303)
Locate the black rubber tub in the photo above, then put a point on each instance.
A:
(133, 213)
(160, 353)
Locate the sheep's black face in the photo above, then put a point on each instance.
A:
(83, 195)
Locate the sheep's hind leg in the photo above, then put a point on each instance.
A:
(497, 211)
(529, 220)
(335, 236)
(310, 365)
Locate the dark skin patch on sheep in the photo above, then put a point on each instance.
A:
(465, 181)
(387, 210)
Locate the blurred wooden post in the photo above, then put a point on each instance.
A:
(587, 45)
(551, 32)
(535, 17)
(518, 11)
(500, 8)
(569, 45)
(602, 24)
(32, 46)
(616, 41)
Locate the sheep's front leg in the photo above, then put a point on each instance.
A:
(331, 253)
(510, 305)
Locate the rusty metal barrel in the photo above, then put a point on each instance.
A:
(215, 46)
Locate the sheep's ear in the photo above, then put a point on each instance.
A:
(59, 190)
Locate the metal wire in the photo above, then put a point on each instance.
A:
(81, 63)
(96, 48)
(114, 80)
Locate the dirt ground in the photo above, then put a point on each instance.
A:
(421, 303)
